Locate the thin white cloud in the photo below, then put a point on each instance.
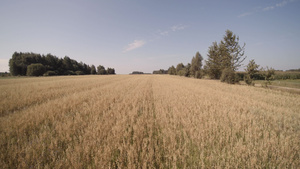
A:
(164, 33)
(244, 14)
(157, 35)
(136, 44)
(178, 27)
(267, 8)
(161, 33)
(281, 4)
(278, 5)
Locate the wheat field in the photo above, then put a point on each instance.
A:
(145, 121)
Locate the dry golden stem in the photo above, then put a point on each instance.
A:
(147, 121)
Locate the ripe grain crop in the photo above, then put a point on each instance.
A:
(146, 121)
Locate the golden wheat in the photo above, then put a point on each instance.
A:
(148, 121)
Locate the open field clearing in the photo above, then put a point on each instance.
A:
(283, 83)
(287, 83)
(145, 121)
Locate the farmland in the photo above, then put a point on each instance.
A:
(145, 121)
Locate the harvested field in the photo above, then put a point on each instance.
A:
(145, 121)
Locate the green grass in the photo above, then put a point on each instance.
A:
(282, 83)
(287, 83)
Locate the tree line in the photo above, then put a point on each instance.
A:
(224, 59)
(33, 64)
(193, 69)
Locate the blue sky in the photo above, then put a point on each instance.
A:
(146, 35)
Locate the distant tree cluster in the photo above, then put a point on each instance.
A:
(193, 69)
(4, 74)
(160, 71)
(137, 72)
(293, 70)
(287, 75)
(224, 58)
(32, 64)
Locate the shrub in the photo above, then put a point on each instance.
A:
(229, 76)
(199, 74)
(79, 72)
(269, 75)
(258, 76)
(50, 73)
(241, 75)
(111, 71)
(251, 70)
(248, 80)
(181, 72)
(35, 69)
(102, 72)
(69, 72)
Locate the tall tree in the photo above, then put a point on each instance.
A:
(187, 69)
(172, 70)
(110, 71)
(67, 62)
(213, 66)
(179, 67)
(235, 52)
(101, 70)
(251, 69)
(228, 54)
(93, 70)
(196, 64)
(13, 67)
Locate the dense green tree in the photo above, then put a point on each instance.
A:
(228, 54)
(182, 72)
(251, 70)
(79, 72)
(87, 69)
(137, 72)
(19, 63)
(160, 71)
(101, 70)
(50, 73)
(36, 69)
(67, 63)
(51, 62)
(229, 76)
(268, 73)
(111, 71)
(93, 70)
(179, 67)
(235, 52)
(213, 66)
(196, 65)
(172, 70)
(187, 69)
(199, 74)
(13, 68)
